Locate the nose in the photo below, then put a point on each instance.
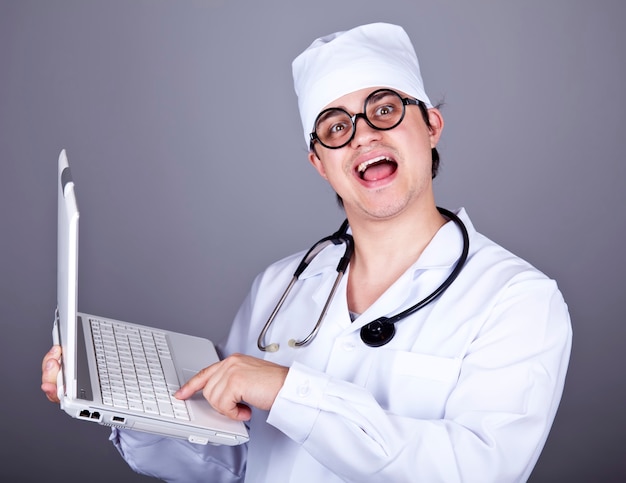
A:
(364, 133)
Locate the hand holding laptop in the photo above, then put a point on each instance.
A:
(50, 368)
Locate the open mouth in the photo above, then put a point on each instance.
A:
(376, 168)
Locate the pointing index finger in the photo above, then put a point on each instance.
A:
(195, 384)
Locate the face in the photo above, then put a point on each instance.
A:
(381, 174)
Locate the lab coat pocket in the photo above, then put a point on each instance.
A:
(412, 384)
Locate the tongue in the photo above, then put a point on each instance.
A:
(379, 171)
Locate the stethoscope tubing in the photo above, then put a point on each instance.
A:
(339, 237)
(380, 331)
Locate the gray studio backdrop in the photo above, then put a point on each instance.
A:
(181, 125)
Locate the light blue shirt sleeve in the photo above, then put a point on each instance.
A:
(177, 460)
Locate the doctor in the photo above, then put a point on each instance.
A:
(468, 387)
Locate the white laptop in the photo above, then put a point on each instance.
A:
(133, 389)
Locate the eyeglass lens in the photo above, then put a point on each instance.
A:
(383, 110)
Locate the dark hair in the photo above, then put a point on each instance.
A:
(434, 152)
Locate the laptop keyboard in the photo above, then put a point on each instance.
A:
(136, 369)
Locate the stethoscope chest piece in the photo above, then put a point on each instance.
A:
(378, 332)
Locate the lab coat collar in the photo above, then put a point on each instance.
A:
(445, 247)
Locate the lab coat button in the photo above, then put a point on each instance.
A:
(348, 346)
(304, 389)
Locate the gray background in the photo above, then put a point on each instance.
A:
(182, 129)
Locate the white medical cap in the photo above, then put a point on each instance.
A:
(374, 55)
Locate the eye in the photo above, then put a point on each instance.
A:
(337, 127)
(334, 123)
(384, 110)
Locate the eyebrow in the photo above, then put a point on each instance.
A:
(384, 93)
(331, 112)
(380, 95)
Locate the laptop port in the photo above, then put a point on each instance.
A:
(118, 419)
(86, 414)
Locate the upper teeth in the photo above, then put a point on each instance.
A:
(366, 164)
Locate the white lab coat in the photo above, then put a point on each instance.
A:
(466, 391)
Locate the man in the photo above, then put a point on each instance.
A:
(466, 389)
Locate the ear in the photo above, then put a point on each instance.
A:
(317, 163)
(436, 125)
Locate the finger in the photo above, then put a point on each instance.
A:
(51, 368)
(224, 390)
(219, 393)
(49, 379)
(53, 353)
(195, 384)
(236, 411)
(50, 391)
(242, 412)
(214, 386)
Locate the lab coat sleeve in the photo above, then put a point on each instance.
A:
(176, 460)
(495, 420)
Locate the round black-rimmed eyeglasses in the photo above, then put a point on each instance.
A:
(383, 110)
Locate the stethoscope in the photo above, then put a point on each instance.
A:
(380, 331)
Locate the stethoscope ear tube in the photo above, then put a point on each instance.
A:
(337, 238)
(273, 347)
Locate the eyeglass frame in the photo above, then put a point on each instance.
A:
(406, 101)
